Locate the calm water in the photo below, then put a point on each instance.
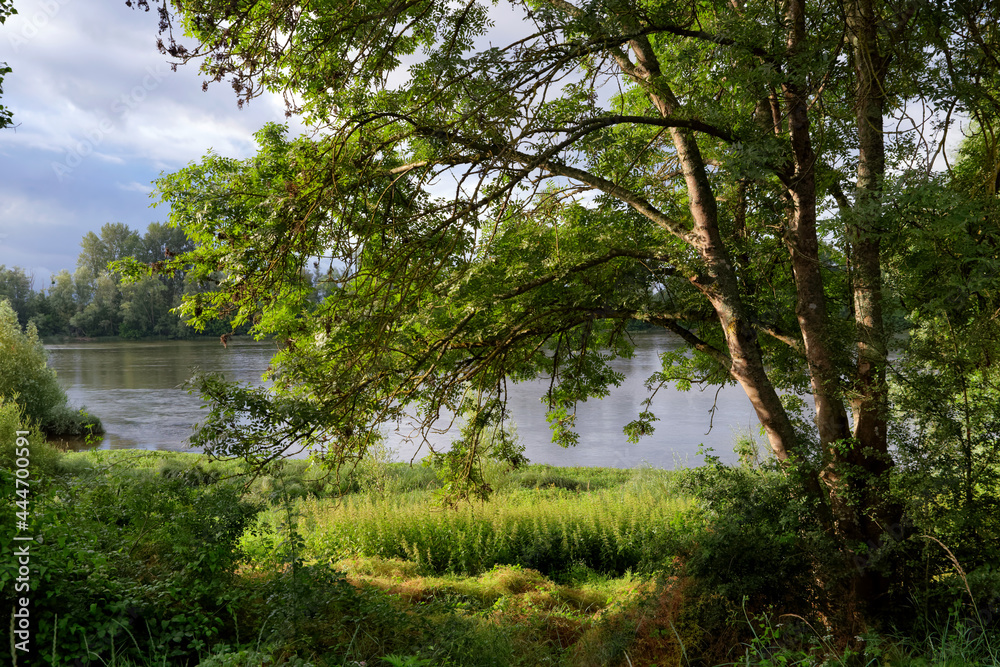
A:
(137, 390)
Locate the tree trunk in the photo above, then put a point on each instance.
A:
(721, 287)
(719, 283)
(811, 310)
(864, 229)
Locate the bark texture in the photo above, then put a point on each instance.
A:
(719, 282)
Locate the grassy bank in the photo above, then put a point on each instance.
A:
(156, 558)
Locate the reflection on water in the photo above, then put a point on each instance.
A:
(137, 389)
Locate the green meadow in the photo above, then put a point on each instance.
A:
(151, 558)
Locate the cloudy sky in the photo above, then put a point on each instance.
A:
(99, 115)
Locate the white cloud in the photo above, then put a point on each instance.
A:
(99, 115)
(135, 187)
(19, 211)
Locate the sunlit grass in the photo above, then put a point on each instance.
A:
(503, 586)
(562, 566)
(632, 526)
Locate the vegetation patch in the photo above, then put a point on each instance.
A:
(26, 380)
(161, 558)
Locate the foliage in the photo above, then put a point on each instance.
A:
(16, 288)
(945, 387)
(224, 656)
(315, 606)
(463, 468)
(6, 9)
(135, 564)
(26, 379)
(25, 375)
(43, 457)
(756, 538)
(789, 640)
(116, 241)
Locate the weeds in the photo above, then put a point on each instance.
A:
(549, 530)
(163, 559)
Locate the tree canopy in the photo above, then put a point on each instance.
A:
(92, 301)
(496, 190)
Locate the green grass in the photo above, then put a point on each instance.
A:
(628, 524)
(562, 566)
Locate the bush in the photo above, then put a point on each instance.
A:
(26, 379)
(43, 457)
(135, 564)
(24, 372)
(756, 539)
(65, 421)
(315, 606)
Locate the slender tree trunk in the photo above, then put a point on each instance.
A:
(720, 286)
(855, 469)
(865, 228)
(803, 245)
(870, 400)
(719, 282)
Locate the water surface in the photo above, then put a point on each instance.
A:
(137, 388)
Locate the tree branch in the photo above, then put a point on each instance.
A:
(583, 266)
(693, 340)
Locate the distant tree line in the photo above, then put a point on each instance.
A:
(92, 301)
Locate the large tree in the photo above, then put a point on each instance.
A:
(497, 190)
(116, 241)
(16, 288)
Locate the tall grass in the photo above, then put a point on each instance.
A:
(614, 530)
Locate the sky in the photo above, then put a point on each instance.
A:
(99, 115)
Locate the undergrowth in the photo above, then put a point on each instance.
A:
(168, 559)
(549, 530)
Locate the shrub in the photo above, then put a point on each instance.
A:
(24, 372)
(755, 538)
(135, 564)
(65, 421)
(43, 457)
(315, 606)
(26, 379)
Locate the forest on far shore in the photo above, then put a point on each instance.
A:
(93, 302)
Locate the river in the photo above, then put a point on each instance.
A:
(137, 389)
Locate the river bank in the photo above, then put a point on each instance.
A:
(157, 558)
